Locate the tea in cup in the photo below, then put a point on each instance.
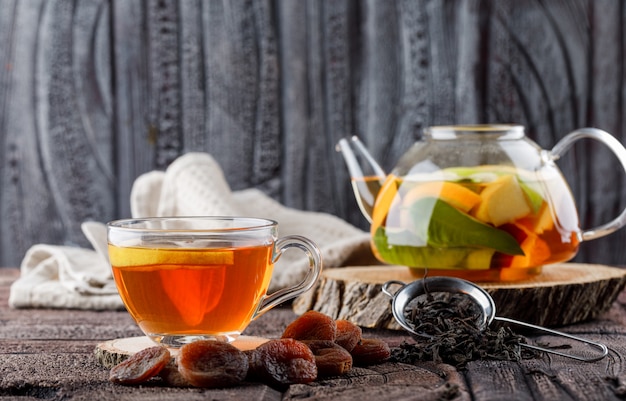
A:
(188, 278)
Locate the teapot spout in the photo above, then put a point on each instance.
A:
(366, 174)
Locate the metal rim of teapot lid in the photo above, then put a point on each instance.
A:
(477, 127)
(501, 131)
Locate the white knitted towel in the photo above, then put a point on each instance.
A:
(55, 276)
(193, 185)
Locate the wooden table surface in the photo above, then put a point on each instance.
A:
(49, 354)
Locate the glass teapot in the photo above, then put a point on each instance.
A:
(480, 202)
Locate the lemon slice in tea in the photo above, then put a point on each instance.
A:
(120, 257)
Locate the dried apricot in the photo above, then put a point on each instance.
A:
(312, 325)
(212, 364)
(283, 361)
(254, 361)
(348, 334)
(370, 351)
(172, 377)
(141, 366)
(331, 358)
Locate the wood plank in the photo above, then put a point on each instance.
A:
(563, 294)
(133, 153)
(541, 379)
(58, 374)
(43, 345)
(56, 90)
(389, 381)
(39, 362)
(96, 92)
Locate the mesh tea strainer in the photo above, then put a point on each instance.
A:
(409, 292)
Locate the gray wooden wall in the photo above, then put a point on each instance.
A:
(96, 92)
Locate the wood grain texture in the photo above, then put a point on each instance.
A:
(49, 354)
(110, 353)
(56, 122)
(562, 294)
(95, 92)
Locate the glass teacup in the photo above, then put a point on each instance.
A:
(188, 278)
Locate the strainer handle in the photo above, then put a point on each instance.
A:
(385, 288)
(603, 349)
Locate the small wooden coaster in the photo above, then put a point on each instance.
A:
(562, 294)
(112, 352)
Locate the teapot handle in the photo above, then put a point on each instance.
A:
(616, 147)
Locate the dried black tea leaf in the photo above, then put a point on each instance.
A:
(451, 327)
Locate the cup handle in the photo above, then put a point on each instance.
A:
(616, 147)
(315, 268)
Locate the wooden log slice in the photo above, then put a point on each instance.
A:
(562, 294)
(112, 352)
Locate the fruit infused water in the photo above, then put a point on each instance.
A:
(485, 223)
(189, 291)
